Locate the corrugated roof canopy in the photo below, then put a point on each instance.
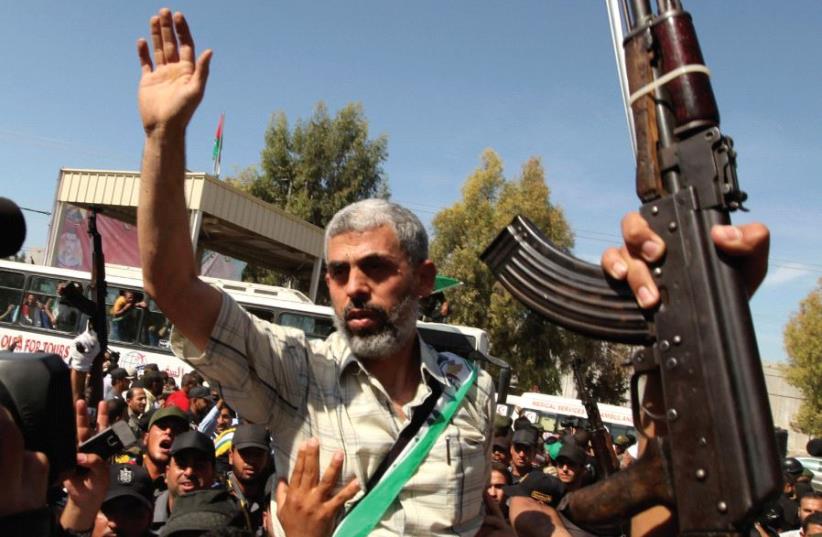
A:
(232, 223)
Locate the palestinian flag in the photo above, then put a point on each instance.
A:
(217, 152)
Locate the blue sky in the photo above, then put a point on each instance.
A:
(444, 80)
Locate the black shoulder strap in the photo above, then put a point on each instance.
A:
(421, 414)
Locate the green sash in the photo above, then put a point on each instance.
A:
(365, 515)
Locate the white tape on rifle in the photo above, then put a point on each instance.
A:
(667, 77)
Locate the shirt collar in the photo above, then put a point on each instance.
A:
(428, 359)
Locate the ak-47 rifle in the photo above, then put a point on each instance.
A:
(94, 307)
(98, 290)
(600, 438)
(710, 454)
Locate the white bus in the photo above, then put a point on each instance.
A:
(32, 319)
(550, 411)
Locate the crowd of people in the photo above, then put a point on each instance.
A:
(368, 431)
(199, 468)
(191, 445)
(531, 467)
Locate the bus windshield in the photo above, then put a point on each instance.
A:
(554, 413)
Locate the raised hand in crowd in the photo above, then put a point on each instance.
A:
(749, 242)
(170, 89)
(306, 506)
(173, 85)
(86, 488)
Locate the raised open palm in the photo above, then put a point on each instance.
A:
(173, 85)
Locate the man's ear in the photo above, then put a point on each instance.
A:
(426, 273)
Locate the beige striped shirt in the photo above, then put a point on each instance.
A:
(303, 389)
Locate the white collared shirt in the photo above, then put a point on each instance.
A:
(273, 375)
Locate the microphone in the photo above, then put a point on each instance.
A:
(12, 228)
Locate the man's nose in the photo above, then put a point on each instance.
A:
(357, 285)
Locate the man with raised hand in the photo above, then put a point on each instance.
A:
(359, 389)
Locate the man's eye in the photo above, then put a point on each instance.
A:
(377, 268)
(337, 272)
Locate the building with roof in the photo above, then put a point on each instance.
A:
(222, 219)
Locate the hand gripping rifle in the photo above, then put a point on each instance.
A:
(710, 454)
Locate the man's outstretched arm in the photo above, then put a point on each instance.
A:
(170, 89)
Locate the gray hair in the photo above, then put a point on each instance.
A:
(373, 213)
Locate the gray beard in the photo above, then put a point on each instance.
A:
(399, 326)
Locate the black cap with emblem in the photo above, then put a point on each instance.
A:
(539, 486)
(132, 481)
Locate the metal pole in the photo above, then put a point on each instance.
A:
(617, 36)
(315, 279)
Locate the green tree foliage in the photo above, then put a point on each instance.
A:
(602, 368)
(803, 342)
(244, 178)
(314, 170)
(322, 164)
(535, 348)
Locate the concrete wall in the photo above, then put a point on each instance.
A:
(785, 400)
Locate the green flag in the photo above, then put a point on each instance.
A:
(441, 283)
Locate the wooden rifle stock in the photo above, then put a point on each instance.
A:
(648, 178)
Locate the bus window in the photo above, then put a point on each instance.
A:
(617, 430)
(11, 295)
(260, 313)
(42, 307)
(156, 329)
(548, 423)
(124, 320)
(314, 327)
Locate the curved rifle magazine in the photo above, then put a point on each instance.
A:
(565, 290)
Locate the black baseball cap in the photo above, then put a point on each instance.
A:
(251, 435)
(539, 486)
(792, 467)
(167, 412)
(132, 481)
(150, 375)
(119, 373)
(200, 392)
(526, 435)
(203, 510)
(192, 440)
(572, 452)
